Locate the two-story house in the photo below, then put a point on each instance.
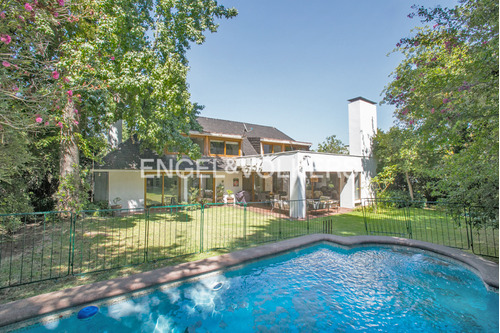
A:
(237, 156)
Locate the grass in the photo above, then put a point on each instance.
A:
(107, 246)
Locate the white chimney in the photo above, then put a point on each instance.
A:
(115, 134)
(362, 126)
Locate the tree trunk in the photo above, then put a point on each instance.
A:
(410, 188)
(69, 173)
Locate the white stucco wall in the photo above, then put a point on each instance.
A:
(298, 164)
(362, 127)
(127, 185)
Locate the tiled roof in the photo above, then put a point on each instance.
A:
(212, 125)
(128, 155)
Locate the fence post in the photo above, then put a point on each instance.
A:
(202, 217)
(408, 221)
(364, 217)
(146, 234)
(307, 216)
(72, 229)
(245, 223)
(468, 222)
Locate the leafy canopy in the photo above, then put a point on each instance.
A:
(446, 95)
(333, 145)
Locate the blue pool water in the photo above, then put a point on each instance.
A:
(318, 289)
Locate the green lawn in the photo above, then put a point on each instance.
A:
(132, 243)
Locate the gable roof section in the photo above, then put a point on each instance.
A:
(212, 125)
(247, 131)
(129, 154)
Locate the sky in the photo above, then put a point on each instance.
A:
(294, 64)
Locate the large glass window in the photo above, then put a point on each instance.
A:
(162, 190)
(201, 143)
(281, 184)
(232, 148)
(277, 148)
(207, 183)
(268, 149)
(170, 190)
(153, 191)
(216, 147)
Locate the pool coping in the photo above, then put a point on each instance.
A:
(41, 305)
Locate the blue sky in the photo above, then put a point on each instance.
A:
(294, 64)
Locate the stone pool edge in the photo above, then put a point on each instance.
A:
(41, 305)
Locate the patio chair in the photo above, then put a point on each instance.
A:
(275, 202)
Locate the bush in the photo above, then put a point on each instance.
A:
(400, 199)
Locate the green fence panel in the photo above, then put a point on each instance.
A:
(173, 231)
(39, 249)
(108, 238)
(442, 223)
(51, 245)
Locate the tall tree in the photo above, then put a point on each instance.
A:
(396, 153)
(111, 60)
(333, 145)
(446, 94)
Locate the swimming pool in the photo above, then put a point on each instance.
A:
(317, 289)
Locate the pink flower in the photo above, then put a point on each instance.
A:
(39, 119)
(2, 15)
(405, 112)
(412, 89)
(446, 100)
(76, 111)
(76, 122)
(435, 25)
(46, 123)
(432, 110)
(443, 110)
(15, 88)
(55, 75)
(66, 80)
(6, 63)
(5, 38)
(411, 122)
(28, 7)
(59, 124)
(56, 14)
(70, 92)
(61, 2)
(112, 58)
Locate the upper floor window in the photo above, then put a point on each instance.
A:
(200, 142)
(222, 147)
(232, 148)
(268, 148)
(216, 147)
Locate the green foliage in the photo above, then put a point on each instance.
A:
(219, 190)
(398, 198)
(446, 96)
(71, 68)
(333, 145)
(193, 195)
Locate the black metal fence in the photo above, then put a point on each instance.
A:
(52, 245)
(435, 222)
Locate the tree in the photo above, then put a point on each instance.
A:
(102, 61)
(446, 95)
(333, 145)
(396, 153)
